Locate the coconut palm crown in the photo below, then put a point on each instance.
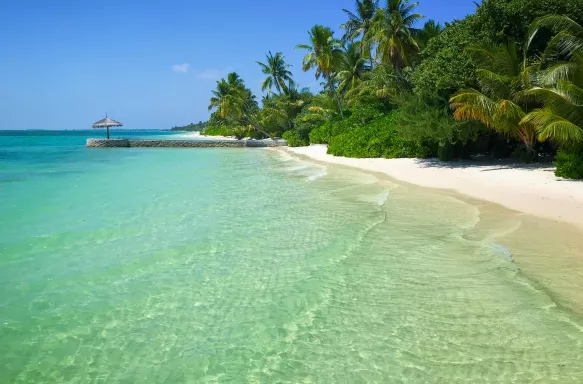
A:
(392, 32)
(324, 55)
(278, 74)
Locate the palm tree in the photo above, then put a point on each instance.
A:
(392, 33)
(325, 55)
(498, 103)
(430, 29)
(352, 68)
(560, 83)
(277, 73)
(383, 83)
(228, 98)
(359, 24)
(283, 109)
(234, 101)
(561, 93)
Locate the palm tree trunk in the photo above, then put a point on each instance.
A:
(367, 47)
(532, 148)
(333, 88)
(277, 86)
(256, 126)
(529, 141)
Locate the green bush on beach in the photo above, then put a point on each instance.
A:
(295, 139)
(359, 115)
(569, 163)
(379, 138)
(220, 130)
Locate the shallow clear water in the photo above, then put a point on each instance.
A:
(246, 265)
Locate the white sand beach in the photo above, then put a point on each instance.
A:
(532, 189)
(198, 136)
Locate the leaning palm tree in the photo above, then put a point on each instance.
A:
(283, 109)
(227, 100)
(392, 33)
(353, 67)
(498, 103)
(359, 23)
(234, 101)
(324, 54)
(278, 74)
(560, 88)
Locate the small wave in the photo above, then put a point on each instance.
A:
(318, 175)
(382, 198)
(297, 168)
(502, 250)
(311, 172)
(285, 157)
(379, 199)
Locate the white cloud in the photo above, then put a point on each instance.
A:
(211, 74)
(181, 68)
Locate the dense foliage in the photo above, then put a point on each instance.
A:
(192, 127)
(295, 139)
(378, 138)
(445, 66)
(569, 163)
(432, 124)
(506, 81)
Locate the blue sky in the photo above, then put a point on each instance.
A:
(149, 64)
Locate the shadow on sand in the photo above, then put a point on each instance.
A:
(484, 165)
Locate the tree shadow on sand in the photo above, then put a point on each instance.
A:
(484, 165)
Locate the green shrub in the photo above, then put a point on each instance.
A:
(306, 122)
(295, 139)
(569, 163)
(221, 130)
(360, 115)
(240, 132)
(379, 138)
(254, 134)
(423, 120)
(324, 133)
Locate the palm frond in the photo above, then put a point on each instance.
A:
(558, 72)
(562, 44)
(555, 23)
(304, 46)
(471, 104)
(552, 126)
(494, 84)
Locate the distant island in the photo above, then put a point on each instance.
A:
(192, 127)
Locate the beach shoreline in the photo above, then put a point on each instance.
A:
(530, 189)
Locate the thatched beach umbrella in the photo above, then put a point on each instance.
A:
(106, 123)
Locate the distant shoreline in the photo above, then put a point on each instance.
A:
(531, 189)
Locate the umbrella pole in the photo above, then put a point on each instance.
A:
(107, 132)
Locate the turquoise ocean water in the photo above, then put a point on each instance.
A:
(248, 265)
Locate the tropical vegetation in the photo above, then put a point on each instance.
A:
(505, 81)
(192, 127)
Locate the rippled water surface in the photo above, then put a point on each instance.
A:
(247, 265)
